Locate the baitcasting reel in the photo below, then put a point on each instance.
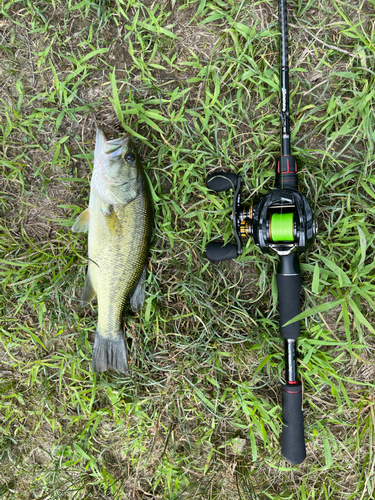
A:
(281, 220)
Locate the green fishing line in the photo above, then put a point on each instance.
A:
(282, 227)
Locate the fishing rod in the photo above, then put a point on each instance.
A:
(280, 221)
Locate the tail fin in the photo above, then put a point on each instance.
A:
(109, 351)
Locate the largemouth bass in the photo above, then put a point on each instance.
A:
(119, 222)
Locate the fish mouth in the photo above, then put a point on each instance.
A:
(114, 147)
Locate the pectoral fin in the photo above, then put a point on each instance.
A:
(112, 222)
(107, 209)
(88, 292)
(81, 224)
(137, 298)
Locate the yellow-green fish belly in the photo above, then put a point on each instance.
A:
(118, 249)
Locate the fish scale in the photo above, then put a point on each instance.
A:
(116, 282)
(119, 221)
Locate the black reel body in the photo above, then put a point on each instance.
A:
(260, 218)
(281, 202)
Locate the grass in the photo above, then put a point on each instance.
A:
(196, 82)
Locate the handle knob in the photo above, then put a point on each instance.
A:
(216, 251)
(222, 181)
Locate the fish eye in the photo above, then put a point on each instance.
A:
(129, 157)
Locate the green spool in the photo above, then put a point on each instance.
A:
(282, 227)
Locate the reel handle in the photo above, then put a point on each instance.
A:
(216, 251)
(222, 181)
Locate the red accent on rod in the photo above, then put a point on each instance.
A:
(295, 382)
(288, 170)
